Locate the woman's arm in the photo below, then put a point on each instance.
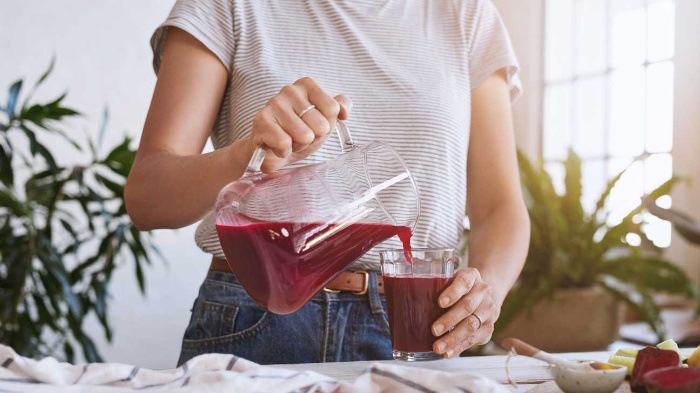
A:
(172, 184)
(500, 227)
(500, 234)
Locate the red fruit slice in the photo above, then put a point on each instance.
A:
(649, 359)
(673, 380)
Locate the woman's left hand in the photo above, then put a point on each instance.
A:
(472, 313)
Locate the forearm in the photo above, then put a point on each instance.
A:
(166, 190)
(498, 246)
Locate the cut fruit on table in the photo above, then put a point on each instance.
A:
(627, 352)
(694, 358)
(673, 380)
(649, 359)
(626, 356)
(671, 346)
(660, 369)
(627, 361)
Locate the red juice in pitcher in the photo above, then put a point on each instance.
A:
(413, 307)
(282, 265)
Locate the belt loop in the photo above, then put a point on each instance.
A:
(375, 301)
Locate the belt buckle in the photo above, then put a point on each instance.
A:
(365, 287)
(331, 290)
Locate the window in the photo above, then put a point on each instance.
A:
(608, 95)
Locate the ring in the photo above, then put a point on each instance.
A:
(480, 321)
(306, 110)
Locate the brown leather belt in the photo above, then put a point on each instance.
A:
(356, 282)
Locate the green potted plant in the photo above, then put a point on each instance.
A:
(580, 270)
(63, 229)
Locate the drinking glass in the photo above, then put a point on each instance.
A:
(413, 281)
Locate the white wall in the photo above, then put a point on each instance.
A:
(524, 20)
(103, 59)
(686, 127)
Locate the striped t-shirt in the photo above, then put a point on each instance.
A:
(408, 65)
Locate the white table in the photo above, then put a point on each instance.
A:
(526, 372)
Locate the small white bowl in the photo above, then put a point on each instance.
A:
(572, 380)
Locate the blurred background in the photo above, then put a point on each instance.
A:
(614, 80)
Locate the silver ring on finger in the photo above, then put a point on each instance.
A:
(306, 110)
(479, 319)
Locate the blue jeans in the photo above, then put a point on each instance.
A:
(332, 327)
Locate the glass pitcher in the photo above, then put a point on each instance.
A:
(288, 234)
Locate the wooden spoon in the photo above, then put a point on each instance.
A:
(523, 348)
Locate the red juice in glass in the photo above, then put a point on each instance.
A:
(412, 289)
(413, 307)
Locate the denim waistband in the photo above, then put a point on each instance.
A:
(375, 298)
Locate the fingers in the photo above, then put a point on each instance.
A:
(326, 105)
(462, 283)
(287, 106)
(268, 132)
(279, 126)
(345, 106)
(469, 332)
(471, 315)
(465, 306)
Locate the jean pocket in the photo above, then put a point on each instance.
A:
(220, 324)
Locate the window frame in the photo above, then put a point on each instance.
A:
(525, 21)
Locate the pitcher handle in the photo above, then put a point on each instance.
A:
(346, 144)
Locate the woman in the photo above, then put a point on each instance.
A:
(434, 79)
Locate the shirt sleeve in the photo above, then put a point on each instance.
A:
(209, 21)
(490, 50)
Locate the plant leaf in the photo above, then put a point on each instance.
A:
(540, 197)
(60, 275)
(39, 114)
(103, 129)
(37, 148)
(613, 236)
(68, 351)
(39, 81)
(571, 200)
(77, 273)
(89, 349)
(650, 274)
(665, 188)
(101, 295)
(121, 158)
(46, 73)
(116, 188)
(608, 189)
(44, 314)
(642, 305)
(50, 287)
(42, 187)
(7, 173)
(12, 98)
(139, 277)
(8, 200)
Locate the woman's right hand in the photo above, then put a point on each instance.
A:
(289, 137)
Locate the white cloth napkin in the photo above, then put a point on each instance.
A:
(222, 373)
